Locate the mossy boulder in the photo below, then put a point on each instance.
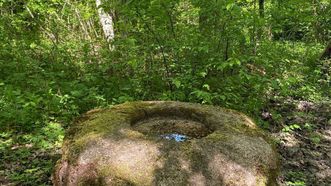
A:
(166, 143)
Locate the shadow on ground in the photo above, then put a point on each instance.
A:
(304, 142)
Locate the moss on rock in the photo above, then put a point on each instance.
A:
(125, 145)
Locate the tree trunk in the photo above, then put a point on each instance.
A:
(327, 52)
(261, 8)
(261, 28)
(316, 24)
(106, 21)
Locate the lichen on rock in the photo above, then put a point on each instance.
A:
(126, 145)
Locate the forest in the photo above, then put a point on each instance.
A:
(270, 59)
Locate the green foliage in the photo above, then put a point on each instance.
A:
(296, 179)
(291, 128)
(315, 138)
(32, 162)
(56, 65)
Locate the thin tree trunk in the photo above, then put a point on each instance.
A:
(316, 23)
(106, 21)
(326, 53)
(261, 28)
(254, 37)
(261, 8)
(84, 28)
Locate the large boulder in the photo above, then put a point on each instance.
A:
(166, 143)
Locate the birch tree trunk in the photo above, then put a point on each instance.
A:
(106, 21)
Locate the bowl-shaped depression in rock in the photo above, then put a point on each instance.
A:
(166, 143)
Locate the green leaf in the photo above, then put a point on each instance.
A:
(176, 82)
(206, 86)
(203, 74)
(230, 6)
(33, 45)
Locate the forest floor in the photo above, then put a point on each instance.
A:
(302, 130)
(304, 142)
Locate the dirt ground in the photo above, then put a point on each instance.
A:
(304, 142)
